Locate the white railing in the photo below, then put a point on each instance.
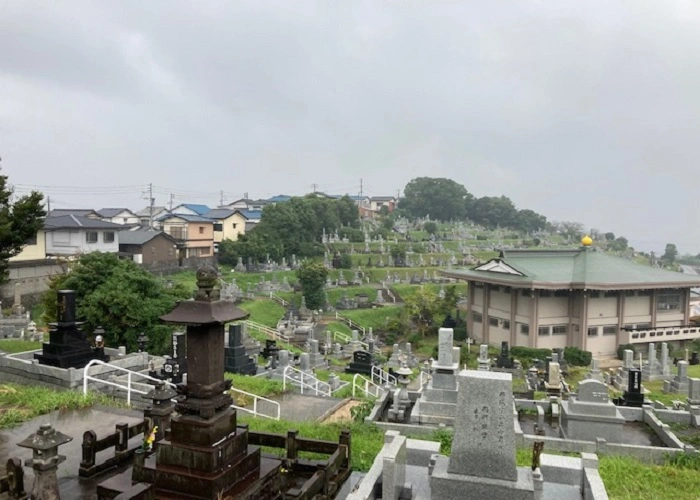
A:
(424, 378)
(382, 377)
(305, 380)
(266, 330)
(662, 334)
(257, 398)
(366, 385)
(350, 322)
(347, 339)
(129, 382)
(26, 361)
(279, 299)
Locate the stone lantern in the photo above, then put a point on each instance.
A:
(45, 459)
(162, 408)
(142, 340)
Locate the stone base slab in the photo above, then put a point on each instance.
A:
(446, 486)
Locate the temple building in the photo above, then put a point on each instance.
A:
(576, 297)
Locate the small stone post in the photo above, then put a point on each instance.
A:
(45, 459)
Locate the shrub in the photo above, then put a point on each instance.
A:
(460, 333)
(622, 348)
(524, 353)
(577, 357)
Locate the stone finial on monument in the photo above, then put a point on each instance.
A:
(483, 359)
(445, 359)
(628, 359)
(664, 368)
(482, 461)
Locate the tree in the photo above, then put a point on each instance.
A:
(492, 211)
(430, 227)
(293, 228)
(609, 236)
(398, 253)
(529, 221)
(422, 307)
(670, 253)
(619, 244)
(119, 296)
(312, 278)
(19, 222)
(442, 199)
(571, 229)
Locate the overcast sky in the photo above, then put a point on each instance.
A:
(585, 111)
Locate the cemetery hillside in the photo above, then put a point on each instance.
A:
(436, 345)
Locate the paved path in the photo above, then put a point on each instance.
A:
(73, 423)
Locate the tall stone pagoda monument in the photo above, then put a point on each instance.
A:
(205, 455)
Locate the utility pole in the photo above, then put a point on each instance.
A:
(150, 205)
(172, 196)
(314, 186)
(221, 198)
(360, 188)
(48, 204)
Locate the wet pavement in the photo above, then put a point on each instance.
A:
(634, 433)
(73, 423)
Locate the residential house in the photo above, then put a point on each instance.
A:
(151, 248)
(280, 198)
(248, 204)
(251, 218)
(151, 213)
(194, 234)
(190, 209)
(34, 249)
(228, 224)
(377, 202)
(78, 212)
(76, 235)
(575, 298)
(122, 216)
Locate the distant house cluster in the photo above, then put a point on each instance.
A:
(158, 237)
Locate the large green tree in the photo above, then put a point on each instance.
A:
(492, 211)
(292, 228)
(119, 296)
(442, 199)
(312, 278)
(20, 220)
(670, 253)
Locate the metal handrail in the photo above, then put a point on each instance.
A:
(271, 332)
(315, 381)
(128, 388)
(350, 322)
(383, 376)
(254, 411)
(15, 354)
(424, 378)
(368, 384)
(279, 299)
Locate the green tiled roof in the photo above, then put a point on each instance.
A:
(583, 268)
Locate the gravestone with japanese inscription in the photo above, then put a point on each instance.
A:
(362, 362)
(482, 462)
(590, 414)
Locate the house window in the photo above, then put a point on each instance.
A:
(542, 331)
(630, 293)
(477, 317)
(594, 294)
(32, 240)
(91, 237)
(524, 329)
(609, 330)
(218, 227)
(668, 301)
(506, 324)
(109, 236)
(593, 331)
(235, 224)
(478, 284)
(527, 293)
(545, 293)
(493, 321)
(560, 330)
(610, 293)
(201, 229)
(645, 293)
(561, 293)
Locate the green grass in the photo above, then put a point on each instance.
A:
(260, 386)
(20, 403)
(367, 440)
(626, 479)
(375, 318)
(12, 346)
(264, 311)
(655, 387)
(338, 326)
(335, 294)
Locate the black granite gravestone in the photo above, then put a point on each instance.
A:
(175, 367)
(362, 362)
(504, 360)
(694, 360)
(235, 358)
(633, 396)
(271, 349)
(67, 346)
